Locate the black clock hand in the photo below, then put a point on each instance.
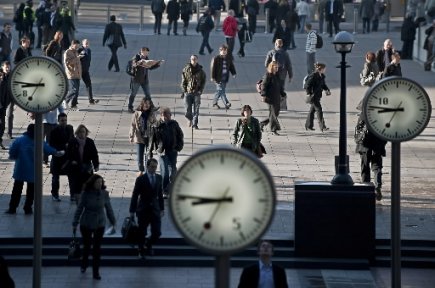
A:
(207, 225)
(27, 85)
(204, 200)
(387, 109)
(394, 114)
(36, 88)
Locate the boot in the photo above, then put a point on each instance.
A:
(185, 31)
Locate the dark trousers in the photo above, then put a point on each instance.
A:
(17, 190)
(407, 49)
(205, 44)
(157, 22)
(6, 112)
(192, 102)
(315, 107)
(168, 168)
(47, 131)
(114, 58)
(370, 158)
(76, 180)
(170, 23)
(252, 22)
(272, 120)
(333, 21)
(144, 220)
(230, 42)
(86, 77)
(92, 237)
(366, 25)
(39, 39)
(272, 22)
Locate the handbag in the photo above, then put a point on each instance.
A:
(129, 230)
(74, 251)
(309, 98)
(261, 150)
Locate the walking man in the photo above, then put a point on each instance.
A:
(6, 102)
(147, 203)
(114, 38)
(85, 59)
(173, 11)
(205, 26)
(157, 8)
(192, 85)
(281, 56)
(310, 48)
(6, 43)
(333, 11)
(73, 70)
(221, 67)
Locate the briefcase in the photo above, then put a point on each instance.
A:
(129, 231)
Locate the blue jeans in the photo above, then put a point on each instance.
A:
(220, 93)
(73, 95)
(141, 156)
(302, 20)
(192, 101)
(168, 168)
(134, 88)
(205, 43)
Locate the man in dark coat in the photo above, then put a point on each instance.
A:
(59, 138)
(407, 35)
(85, 52)
(383, 56)
(173, 11)
(157, 8)
(147, 203)
(333, 11)
(263, 273)
(5, 102)
(114, 38)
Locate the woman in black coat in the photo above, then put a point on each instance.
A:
(315, 86)
(271, 93)
(82, 160)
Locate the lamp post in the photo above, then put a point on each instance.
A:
(343, 43)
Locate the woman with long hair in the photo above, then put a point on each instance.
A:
(142, 123)
(247, 131)
(54, 48)
(91, 212)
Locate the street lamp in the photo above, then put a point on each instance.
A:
(343, 43)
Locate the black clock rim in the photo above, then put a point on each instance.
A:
(390, 79)
(214, 148)
(31, 58)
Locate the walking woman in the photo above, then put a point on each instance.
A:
(247, 131)
(370, 71)
(271, 93)
(82, 160)
(315, 86)
(142, 123)
(91, 212)
(54, 48)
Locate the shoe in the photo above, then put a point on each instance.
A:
(189, 123)
(55, 198)
(165, 195)
(325, 129)
(378, 194)
(74, 108)
(201, 53)
(97, 276)
(93, 101)
(210, 51)
(195, 127)
(275, 133)
(228, 105)
(83, 269)
(130, 110)
(2, 146)
(142, 254)
(176, 34)
(10, 211)
(168, 33)
(116, 70)
(10, 136)
(309, 128)
(28, 211)
(216, 106)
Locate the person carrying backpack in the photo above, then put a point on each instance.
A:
(205, 25)
(310, 48)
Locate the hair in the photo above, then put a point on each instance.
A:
(145, 49)
(194, 55)
(6, 62)
(74, 41)
(58, 36)
(263, 241)
(24, 39)
(270, 65)
(6, 24)
(112, 18)
(89, 184)
(318, 66)
(224, 47)
(245, 108)
(31, 130)
(151, 160)
(81, 126)
(163, 110)
(308, 26)
(85, 40)
(141, 105)
(370, 56)
(61, 115)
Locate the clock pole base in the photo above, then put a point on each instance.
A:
(334, 221)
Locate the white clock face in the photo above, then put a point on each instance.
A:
(38, 84)
(397, 109)
(222, 200)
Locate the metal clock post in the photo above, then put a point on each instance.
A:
(396, 109)
(38, 85)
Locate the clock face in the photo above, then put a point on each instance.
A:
(222, 199)
(396, 109)
(38, 84)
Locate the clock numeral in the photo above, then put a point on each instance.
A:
(187, 219)
(201, 164)
(257, 220)
(186, 179)
(383, 101)
(222, 159)
(25, 93)
(418, 122)
(257, 180)
(236, 223)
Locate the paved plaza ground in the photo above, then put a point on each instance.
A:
(295, 155)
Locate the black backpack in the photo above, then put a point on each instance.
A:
(130, 69)
(319, 43)
(202, 23)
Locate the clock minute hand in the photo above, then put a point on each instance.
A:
(387, 109)
(394, 114)
(211, 200)
(27, 85)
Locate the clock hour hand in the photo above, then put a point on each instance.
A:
(27, 85)
(204, 200)
(387, 109)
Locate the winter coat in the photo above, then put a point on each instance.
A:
(90, 160)
(22, 151)
(369, 73)
(21, 53)
(141, 73)
(229, 26)
(238, 6)
(367, 9)
(407, 32)
(168, 137)
(140, 133)
(90, 210)
(85, 60)
(283, 59)
(380, 58)
(428, 33)
(272, 89)
(5, 43)
(5, 93)
(158, 6)
(252, 7)
(254, 130)
(316, 84)
(54, 50)
(366, 141)
(193, 79)
(114, 30)
(59, 138)
(217, 65)
(393, 69)
(173, 10)
(72, 64)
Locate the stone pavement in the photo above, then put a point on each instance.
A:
(294, 155)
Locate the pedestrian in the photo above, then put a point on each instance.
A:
(370, 70)
(91, 213)
(205, 26)
(22, 151)
(5, 277)
(283, 9)
(333, 12)
(303, 10)
(82, 161)
(281, 56)
(173, 12)
(44, 21)
(185, 14)
(60, 136)
(247, 131)
(315, 86)
(221, 67)
(6, 103)
(192, 85)
(283, 32)
(157, 8)
(54, 48)
(85, 60)
(23, 51)
(28, 19)
(271, 93)
(383, 55)
(229, 27)
(407, 35)
(143, 121)
(141, 64)
(6, 43)
(321, 13)
(365, 12)
(429, 46)
(49, 121)
(66, 26)
(114, 38)
(39, 21)
(371, 150)
(272, 5)
(252, 9)
(264, 273)
(167, 141)
(292, 22)
(216, 7)
(394, 68)
(73, 70)
(19, 20)
(147, 203)
(243, 37)
(310, 48)
(378, 12)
